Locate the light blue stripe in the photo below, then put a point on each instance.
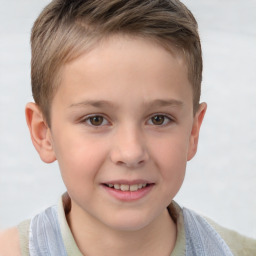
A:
(201, 238)
(45, 236)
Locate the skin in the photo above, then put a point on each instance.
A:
(9, 243)
(144, 130)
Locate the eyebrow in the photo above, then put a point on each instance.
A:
(165, 103)
(105, 103)
(93, 103)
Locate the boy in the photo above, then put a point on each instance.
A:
(117, 89)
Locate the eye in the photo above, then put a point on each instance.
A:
(159, 120)
(96, 120)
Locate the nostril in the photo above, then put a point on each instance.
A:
(131, 164)
(120, 163)
(141, 162)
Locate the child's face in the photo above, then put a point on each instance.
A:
(123, 116)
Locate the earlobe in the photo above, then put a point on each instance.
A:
(40, 133)
(194, 136)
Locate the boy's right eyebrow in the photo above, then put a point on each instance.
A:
(93, 103)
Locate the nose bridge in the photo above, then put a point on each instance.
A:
(129, 146)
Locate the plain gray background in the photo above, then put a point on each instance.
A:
(220, 181)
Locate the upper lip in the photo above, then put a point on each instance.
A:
(128, 182)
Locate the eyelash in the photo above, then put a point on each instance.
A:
(167, 120)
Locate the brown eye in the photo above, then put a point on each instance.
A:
(96, 120)
(158, 120)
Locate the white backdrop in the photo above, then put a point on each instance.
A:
(220, 181)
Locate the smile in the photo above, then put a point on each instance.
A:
(126, 187)
(127, 191)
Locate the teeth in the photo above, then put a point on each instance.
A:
(117, 186)
(125, 187)
(140, 186)
(134, 187)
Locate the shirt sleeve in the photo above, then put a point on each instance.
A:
(23, 229)
(239, 245)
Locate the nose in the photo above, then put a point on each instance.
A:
(129, 148)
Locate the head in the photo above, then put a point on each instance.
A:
(117, 88)
(67, 29)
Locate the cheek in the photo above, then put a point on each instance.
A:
(171, 158)
(172, 167)
(171, 150)
(79, 158)
(173, 164)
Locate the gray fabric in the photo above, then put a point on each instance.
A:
(201, 238)
(45, 237)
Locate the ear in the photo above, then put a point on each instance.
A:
(194, 136)
(40, 133)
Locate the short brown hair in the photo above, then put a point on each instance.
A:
(66, 28)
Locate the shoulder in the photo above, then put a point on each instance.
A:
(239, 244)
(9, 242)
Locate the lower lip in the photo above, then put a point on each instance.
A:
(128, 196)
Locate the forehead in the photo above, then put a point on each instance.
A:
(120, 64)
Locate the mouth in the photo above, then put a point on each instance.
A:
(128, 191)
(127, 187)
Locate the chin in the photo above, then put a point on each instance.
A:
(129, 223)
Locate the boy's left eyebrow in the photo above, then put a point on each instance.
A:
(165, 103)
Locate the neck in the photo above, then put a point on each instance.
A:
(157, 238)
